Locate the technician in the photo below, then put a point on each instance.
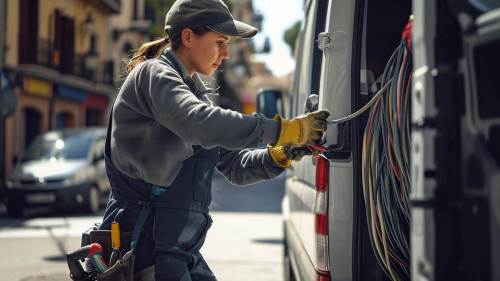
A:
(165, 138)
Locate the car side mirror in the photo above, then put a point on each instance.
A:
(270, 102)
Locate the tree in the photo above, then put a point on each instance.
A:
(291, 35)
(155, 12)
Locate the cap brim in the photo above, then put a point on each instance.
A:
(234, 28)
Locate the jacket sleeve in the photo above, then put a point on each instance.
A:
(247, 166)
(163, 95)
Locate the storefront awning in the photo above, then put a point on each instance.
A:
(70, 93)
(96, 102)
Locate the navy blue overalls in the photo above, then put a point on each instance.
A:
(176, 228)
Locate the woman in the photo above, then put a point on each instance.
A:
(165, 138)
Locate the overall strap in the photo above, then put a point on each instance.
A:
(144, 214)
(139, 224)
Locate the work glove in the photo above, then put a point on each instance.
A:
(304, 130)
(284, 155)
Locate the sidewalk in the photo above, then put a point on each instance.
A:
(239, 246)
(245, 247)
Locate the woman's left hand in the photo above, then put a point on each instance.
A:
(284, 155)
(297, 153)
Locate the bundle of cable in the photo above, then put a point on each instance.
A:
(386, 167)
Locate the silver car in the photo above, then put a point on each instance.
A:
(62, 168)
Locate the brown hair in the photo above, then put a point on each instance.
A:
(155, 48)
(147, 51)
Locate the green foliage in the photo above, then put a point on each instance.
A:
(229, 4)
(291, 35)
(160, 8)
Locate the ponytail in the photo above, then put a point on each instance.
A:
(147, 51)
(155, 48)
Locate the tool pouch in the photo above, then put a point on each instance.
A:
(122, 270)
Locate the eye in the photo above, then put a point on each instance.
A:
(221, 43)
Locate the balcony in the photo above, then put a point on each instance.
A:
(111, 6)
(86, 66)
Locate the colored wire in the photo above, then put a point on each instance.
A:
(386, 167)
(361, 110)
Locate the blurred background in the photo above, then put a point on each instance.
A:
(61, 64)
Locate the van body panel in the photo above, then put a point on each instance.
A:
(422, 147)
(300, 186)
(335, 95)
(300, 259)
(340, 221)
(302, 197)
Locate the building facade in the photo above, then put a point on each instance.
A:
(57, 53)
(236, 71)
(129, 32)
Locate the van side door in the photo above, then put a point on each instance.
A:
(456, 140)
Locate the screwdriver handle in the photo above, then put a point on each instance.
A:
(115, 235)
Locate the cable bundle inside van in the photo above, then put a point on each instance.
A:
(386, 167)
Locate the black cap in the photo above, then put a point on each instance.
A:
(212, 14)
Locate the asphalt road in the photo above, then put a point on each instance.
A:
(244, 243)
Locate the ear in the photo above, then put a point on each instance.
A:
(187, 37)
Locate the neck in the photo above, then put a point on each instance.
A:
(183, 56)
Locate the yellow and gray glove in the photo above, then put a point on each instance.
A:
(283, 155)
(304, 130)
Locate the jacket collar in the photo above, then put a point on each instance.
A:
(171, 58)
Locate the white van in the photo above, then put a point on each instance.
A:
(453, 155)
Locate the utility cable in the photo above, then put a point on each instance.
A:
(385, 167)
(362, 109)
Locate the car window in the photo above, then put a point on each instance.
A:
(70, 147)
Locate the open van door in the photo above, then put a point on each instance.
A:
(456, 140)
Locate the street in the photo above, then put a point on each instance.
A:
(244, 243)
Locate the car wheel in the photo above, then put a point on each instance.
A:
(14, 208)
(93, 201)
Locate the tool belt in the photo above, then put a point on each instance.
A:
(121, 266)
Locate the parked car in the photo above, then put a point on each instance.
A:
(453, 161)
(62, 168)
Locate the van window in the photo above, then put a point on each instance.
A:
(310, 56)
(307, 74)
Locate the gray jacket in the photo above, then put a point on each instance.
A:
(157, 118)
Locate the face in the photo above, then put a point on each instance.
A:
(206, 52)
